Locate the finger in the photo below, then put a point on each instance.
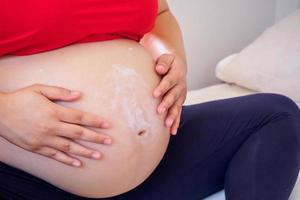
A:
(71, 147)
(172, 115)
(165, 84)
(164, 63)
(59, 156)
(169, 99)
(56, 93)
(175, 126)
(79, 117)
(80, 133)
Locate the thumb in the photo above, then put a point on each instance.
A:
(56, 93)
(164, 63)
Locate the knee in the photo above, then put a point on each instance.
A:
(284, 107)
(278, 103)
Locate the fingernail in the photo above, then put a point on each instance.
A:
(76, 163)
(74, 93)
(96, 155)
(157, 93)
(160, 67)
(161, 110)
(107, 141)
(104, 125)
(174, 132)
(169, 122)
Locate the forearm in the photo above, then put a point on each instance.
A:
(166, 37)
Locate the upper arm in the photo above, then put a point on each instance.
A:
(162, 6)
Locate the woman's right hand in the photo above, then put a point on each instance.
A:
(30, 120)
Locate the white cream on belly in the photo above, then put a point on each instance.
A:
(131, 99)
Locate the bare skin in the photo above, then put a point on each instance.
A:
(170, 64)
(50, 131)
(116, 79)
(60, 133)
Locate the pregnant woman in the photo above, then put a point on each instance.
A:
(90, 91)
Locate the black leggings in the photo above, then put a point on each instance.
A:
(249, 145)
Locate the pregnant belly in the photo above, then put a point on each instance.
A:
(116, 79)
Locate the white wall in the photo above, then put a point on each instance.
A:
(214, 29)
(285, 7)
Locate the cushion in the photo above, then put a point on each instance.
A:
(214, 92)
(271, 63)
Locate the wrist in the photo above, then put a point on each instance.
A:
(181, 61)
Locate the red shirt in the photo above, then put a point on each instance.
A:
(33, 26)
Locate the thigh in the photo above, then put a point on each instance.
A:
(16, 184)
(196, 160)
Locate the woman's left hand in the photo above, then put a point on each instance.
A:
(172, 88)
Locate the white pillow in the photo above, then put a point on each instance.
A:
(271, 63)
